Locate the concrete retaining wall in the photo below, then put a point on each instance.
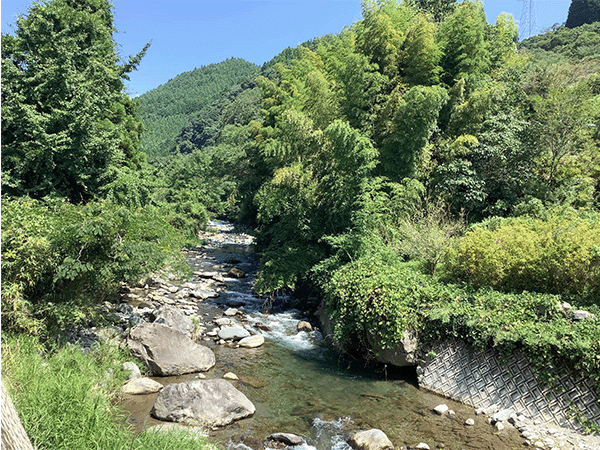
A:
(479, 379)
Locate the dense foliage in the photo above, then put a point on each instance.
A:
(60, 259)
(65, 119)
(417, 170)
(583, 11)
(579, 43)
(374, 296)
(449, 104)
(190, 100)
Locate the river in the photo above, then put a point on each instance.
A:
(300, 384)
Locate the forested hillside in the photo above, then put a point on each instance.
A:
(420, 170)
(172, 106)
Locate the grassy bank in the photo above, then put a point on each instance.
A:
(68, 400)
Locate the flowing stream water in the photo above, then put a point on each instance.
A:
(300, 384)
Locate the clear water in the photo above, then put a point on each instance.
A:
(300, 385)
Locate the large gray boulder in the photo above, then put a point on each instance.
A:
(166, 351)
(173, 317)
(207, 403)
(403, 354)
(373, 439)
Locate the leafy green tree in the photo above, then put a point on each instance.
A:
(503, 40)
(463, 39)
(404, 153)
(439, 9)
(380, 40)
(563, 136)
(65, 118)
(420, 55)
(583, 11)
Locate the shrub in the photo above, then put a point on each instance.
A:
(58, 257)
(558, 255)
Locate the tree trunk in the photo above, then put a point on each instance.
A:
(14, 436)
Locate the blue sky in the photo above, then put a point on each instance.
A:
(187, 34)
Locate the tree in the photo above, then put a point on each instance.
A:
(66, 120)
(420, 54)
(439, 9)
(463, 39)
(404, 152)
(583, 11)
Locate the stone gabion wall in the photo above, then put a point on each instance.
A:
(479, 379)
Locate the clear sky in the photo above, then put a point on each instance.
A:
(187, 34)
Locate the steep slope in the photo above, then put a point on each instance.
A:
(167, 109)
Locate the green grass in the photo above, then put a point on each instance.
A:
(67, 399)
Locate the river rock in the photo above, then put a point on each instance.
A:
(252, 341)
(141, 386)
(207, 274)
(133, 369)
(502, 416)
(304, 326)
(373, 439)
(233, 333)
(404, 354)
(203, 294)
(286, 438)
(230, 376)
(441, 409)
(230, 312)
(254, 382)
(207, 403)
(492, 409)
(223, 321)
(166, 351)
(580, 314)
(262, 326)
(421, 446)
(173, 317)
(234, 272)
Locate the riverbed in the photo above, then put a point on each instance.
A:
(300, 384)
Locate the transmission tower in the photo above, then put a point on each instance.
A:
(528, 22)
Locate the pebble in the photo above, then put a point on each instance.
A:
(441, 409)
(469, 422)
(230, 376)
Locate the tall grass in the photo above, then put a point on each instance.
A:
(66, 399)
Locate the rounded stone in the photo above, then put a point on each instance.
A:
(441, 409)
